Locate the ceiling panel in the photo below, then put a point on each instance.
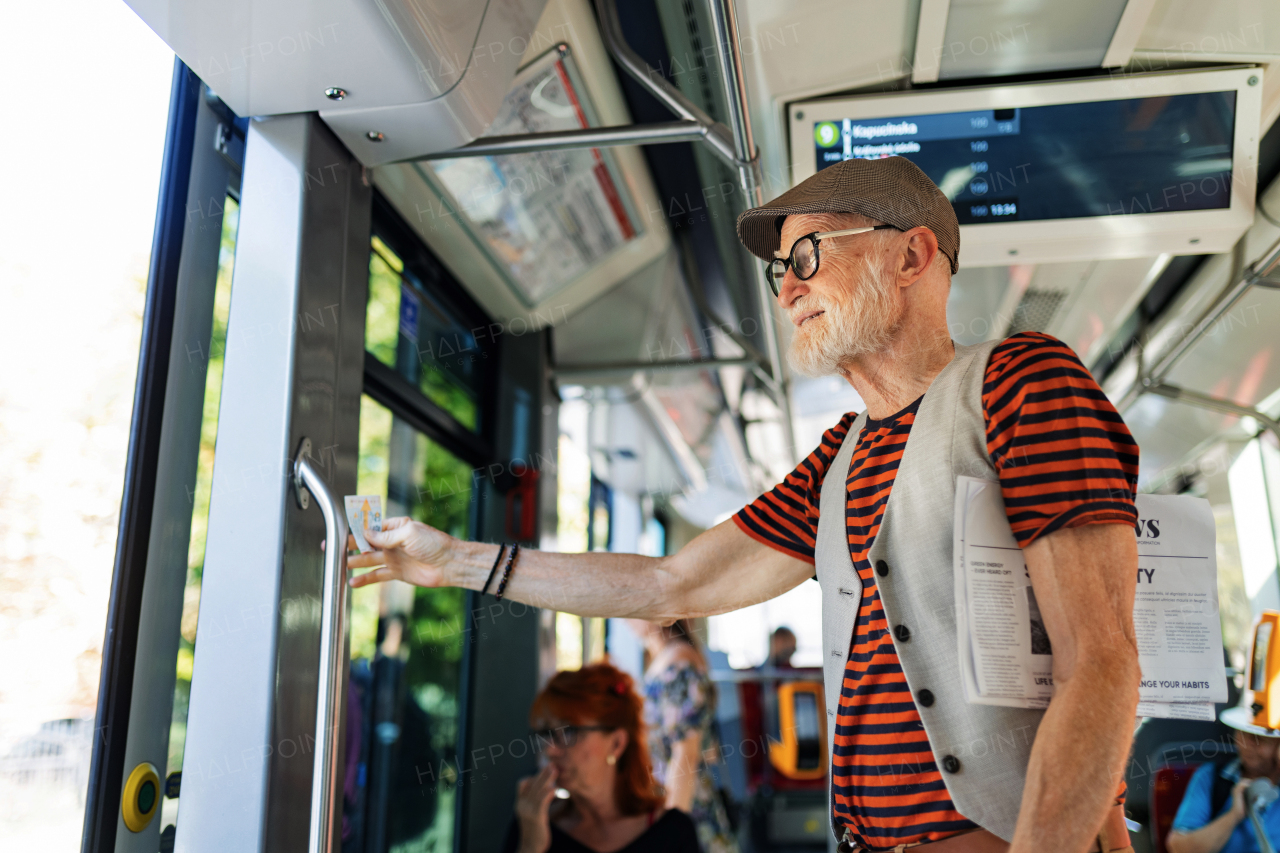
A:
(792, 50)
(990, 38)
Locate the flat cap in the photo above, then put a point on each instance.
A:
(892, 190)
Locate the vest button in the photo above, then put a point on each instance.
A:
(951, 764)
(882, 568)
(902, 633)
(925, 698)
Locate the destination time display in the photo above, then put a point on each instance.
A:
(1140, 155)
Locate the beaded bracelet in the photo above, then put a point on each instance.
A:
(494, 570)
(506, 570)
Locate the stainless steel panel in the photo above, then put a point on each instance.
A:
(295, 348)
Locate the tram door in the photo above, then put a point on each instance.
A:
(301, 344)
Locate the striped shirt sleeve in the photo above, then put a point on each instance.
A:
(786, 517)
(1064, 456)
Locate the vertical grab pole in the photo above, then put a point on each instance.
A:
(724, 20)
(325, 784)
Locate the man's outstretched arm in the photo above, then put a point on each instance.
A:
(722, 569)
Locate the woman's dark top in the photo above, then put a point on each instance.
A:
(673, 832)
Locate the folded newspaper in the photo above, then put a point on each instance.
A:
(1005, 654)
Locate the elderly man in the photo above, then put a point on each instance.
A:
(861, 257)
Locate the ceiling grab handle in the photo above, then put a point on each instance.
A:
(325, 784)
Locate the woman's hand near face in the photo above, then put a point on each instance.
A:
(408, 550)
(533, 803)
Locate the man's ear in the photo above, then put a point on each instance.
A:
(918, 256)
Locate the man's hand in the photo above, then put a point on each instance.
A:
(1238, 810)
(408, 551)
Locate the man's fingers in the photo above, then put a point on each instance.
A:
(375, 576)
(389, 538)
(393, 523)
(365, 561)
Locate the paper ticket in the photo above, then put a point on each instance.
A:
(364, 512)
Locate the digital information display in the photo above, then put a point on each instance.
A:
(1141, 155)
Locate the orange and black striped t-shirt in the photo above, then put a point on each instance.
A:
(1064, 458)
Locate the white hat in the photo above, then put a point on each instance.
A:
(1240, 718)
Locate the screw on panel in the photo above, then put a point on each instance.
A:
(1253, 81)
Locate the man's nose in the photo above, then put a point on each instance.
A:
(792, 289)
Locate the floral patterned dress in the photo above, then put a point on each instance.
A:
(679, 700)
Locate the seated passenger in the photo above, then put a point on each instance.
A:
(1212, 817)
(782, 645)
(589, 723)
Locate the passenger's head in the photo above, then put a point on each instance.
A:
(871, 289)
(593, 732)
(1258, 755)
(868, 290)
(782, 645)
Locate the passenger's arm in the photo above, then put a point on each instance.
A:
(1213, 836)
(682, 771)
(722, 569)
(1084, 579)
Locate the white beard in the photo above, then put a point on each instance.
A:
(862, 322)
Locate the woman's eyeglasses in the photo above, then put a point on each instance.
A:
(803, 258)
(566, 736)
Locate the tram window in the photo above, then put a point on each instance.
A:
(213, 352)
(407, 648)
(443, 351)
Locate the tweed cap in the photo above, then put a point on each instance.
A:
(892, 190)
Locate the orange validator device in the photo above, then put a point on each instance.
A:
(801, 751)
(1264, 661)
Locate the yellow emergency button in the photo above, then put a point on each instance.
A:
(141, 797)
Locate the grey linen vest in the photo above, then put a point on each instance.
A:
(981, 750)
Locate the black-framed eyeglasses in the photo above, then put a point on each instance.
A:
(803, 258)
(565, 736)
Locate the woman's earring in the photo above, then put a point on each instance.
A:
(611, 760)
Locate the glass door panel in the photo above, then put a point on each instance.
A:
(407, 649)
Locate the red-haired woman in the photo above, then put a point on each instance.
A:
(589, 724)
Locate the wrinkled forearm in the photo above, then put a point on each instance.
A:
(599, 583)
(1077, 761)
(722, 569)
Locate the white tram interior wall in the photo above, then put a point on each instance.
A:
(498, 345)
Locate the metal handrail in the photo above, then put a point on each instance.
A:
(652, 133)
(325, 784)
(1256, 272)
(719, 137)
(1213, 404)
